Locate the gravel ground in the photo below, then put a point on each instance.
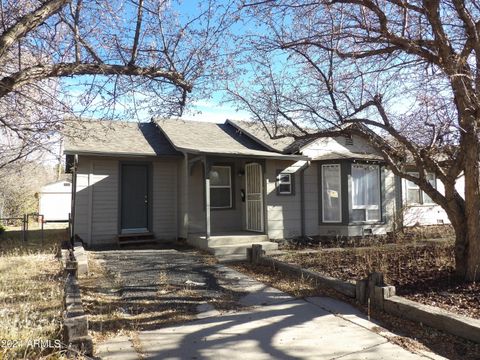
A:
(132, 290)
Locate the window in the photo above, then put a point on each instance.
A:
(221, 187)
(331, 193)
(284, 184)
(365, 193)
(413, 192)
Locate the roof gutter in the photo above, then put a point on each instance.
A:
(99, 153)
(273, 156)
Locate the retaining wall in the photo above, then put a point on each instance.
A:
(75, 321)
(373, 290)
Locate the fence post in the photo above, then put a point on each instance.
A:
(24, 227)
(42, 235)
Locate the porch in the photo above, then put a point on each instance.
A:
(226, 204)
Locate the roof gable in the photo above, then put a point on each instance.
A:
(212, 138)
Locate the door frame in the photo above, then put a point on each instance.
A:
(149, 166)
(261, 198)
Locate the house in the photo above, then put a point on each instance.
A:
(54, 201)
(347, 189)
(208, 183)
(223, 186)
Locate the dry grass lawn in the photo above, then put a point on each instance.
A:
(30, 296)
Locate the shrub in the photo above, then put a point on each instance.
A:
(2, 229)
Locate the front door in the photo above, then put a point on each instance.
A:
(254, 197)
(134, 197)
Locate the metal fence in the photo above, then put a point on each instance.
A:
(24, 222)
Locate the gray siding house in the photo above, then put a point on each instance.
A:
(222, 186)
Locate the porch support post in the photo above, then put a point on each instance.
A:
(207, 197)
(183, 194)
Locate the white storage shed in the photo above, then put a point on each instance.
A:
(55, 201)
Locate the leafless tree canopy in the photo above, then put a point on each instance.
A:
(117, 58)
(406, 70)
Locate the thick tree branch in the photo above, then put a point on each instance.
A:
(29, 22)
(34, 73)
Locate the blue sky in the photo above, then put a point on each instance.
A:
(211, 109)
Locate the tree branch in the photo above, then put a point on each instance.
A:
(28, 75)
(29, 22)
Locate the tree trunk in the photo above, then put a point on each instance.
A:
(469, 265)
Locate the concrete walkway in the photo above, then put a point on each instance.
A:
(270, 325)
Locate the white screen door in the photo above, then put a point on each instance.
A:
(254, 197)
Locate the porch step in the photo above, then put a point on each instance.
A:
(240, 249)
(136, 239)
(225, 240)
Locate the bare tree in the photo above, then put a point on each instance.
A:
(18, 188)
(406, 71)
(121, 58)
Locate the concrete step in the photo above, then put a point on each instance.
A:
(240, 249)
(225, 240)
(225, 259)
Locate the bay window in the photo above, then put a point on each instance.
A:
(365, 193)
(331, 193)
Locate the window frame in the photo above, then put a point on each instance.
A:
(229, 186)
(421, 193)
(340, 220)
(279, 182)
(367, 207)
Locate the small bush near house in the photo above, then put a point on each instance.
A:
(2, 229)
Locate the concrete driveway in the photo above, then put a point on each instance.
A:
(268, 324)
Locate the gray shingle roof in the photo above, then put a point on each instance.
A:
(211, 138)
(115, 137)
(257, 131)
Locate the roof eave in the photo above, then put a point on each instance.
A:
(272, 156)
(125, 154)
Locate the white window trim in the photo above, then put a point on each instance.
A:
(280, 182)
(229, 186)
(339, 194)
(435, 186)
(368, 207)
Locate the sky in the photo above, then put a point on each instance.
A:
(213, 111)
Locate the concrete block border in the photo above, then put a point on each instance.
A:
(75, 322)
(257, 256)
(432, 316)
(373, 290)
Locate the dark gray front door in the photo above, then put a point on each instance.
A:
(134, 197)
